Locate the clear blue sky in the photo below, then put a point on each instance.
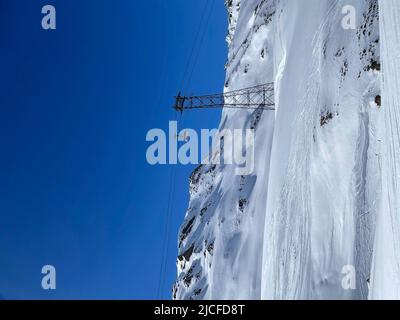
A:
(76, 104)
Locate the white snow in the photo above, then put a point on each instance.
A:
(314, 201)
(386, 265)
(318, 217)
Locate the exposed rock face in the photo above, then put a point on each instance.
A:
(309, 210)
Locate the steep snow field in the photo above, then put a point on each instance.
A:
(386, 265)
(324, 161)
(311, 207)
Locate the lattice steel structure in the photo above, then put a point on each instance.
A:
(258, 97)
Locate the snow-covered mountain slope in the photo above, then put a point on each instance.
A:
(325, 157)
(309, 211)
(386, 265)
(220, 243)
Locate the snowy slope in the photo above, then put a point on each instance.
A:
(220, 242)
(386, 266)
(312, 205)
(324, 165)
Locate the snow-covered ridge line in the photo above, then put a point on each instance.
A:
(221, 239)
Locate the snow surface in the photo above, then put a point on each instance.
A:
(313, 203)
(386, 261)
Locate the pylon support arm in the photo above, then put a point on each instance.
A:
(258, 97)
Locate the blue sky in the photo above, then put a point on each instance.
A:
(76, 104)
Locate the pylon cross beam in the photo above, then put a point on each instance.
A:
(257, 97)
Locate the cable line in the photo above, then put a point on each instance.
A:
(185, 83)
(188, 62)
(200, 47)
(161, 279)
